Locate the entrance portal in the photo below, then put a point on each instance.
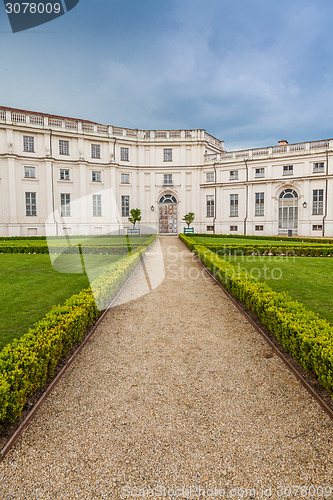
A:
(168, 214)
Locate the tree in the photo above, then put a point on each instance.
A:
(189, 218)
(135, 216)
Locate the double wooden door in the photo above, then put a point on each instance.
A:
(168, 218)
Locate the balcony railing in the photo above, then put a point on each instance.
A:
(36, 120)
(283, 150)
(17, 117)
(88, 127)
(71, 125)
(320, 144)
(131, 133)
(55, 122)
(212, 140)
(260, 152)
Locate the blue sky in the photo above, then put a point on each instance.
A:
(249, 72)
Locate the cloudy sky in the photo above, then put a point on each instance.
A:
(250, 72)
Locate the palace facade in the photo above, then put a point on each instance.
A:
(62, 175)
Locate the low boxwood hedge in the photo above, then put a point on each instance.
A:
(44, 248)
(278, 249)
(34, 247)
(308, 338)
(263, 249)
(320, 241)
(27, 362)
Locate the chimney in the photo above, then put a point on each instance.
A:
(283, 142)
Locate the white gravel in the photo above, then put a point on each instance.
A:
(174, 390)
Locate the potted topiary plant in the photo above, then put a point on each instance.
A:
(189, 218)
(134, 218)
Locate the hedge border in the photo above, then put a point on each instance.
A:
(58, 245)
(288, 250)
(43, 248)
(72, 236)
(264, 249)
(29, 361)
(271, 238)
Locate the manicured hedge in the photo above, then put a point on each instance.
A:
(12, 247)
(278, 249)
(44, 248)
(190, 242)
(20, 238)
(263, 249)
(271, 238)
(302, 333)
(75, 236)
(27, 362)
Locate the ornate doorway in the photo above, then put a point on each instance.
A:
(168, 214)
(288, 211)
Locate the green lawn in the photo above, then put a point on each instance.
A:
(307, 279)
(30, 286)
(206, 240)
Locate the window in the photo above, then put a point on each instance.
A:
(97, 205)
(233, 175)
(29, 172)
(28, 144)
(259, 206)
(288, 170)
(259, 172)
(65, 200)
(168, 198)
(167, 179)
(210, 177)
(64, 147)
(318, 167)
(318, 202)
(233, 228)
(30, 204)
(210, 228)
(167, 154)
(124, 154)
(95, 151)
(125, 178)
(125, 206)
(234, 205)
(288, 211)
(258, 228)
(210, 206)
(64, 174)
(96, 176)
(317, 227)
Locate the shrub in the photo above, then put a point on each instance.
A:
(58, 248)
(27, 362)
(320, 241)
(278, 249)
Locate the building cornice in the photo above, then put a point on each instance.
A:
(19, 118)
(265, 180)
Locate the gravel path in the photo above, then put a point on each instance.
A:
(174, 390)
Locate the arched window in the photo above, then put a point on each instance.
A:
(288, 193)
(168, 198)
(288, 211)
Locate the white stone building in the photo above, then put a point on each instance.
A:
(62, 175)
